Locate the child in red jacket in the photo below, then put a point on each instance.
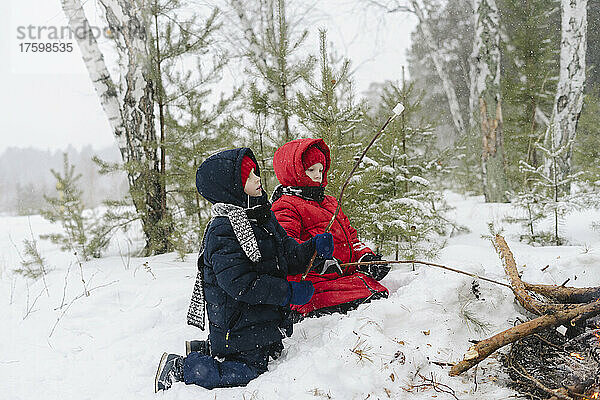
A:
(303, 210)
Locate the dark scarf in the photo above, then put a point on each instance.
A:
(260, 213)
(311, 193)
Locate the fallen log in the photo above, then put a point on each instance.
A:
(565, 294)
(519, 287)
(551, 314)
(483, 349)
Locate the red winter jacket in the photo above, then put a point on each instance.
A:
(303, 219)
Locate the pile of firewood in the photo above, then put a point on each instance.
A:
(557, 365)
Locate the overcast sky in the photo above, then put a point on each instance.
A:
(48, 102)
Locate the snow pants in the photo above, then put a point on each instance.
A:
(232, 370)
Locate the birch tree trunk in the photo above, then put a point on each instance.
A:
(439, 67)
(569, 93)
(128, 105)
(485, 86)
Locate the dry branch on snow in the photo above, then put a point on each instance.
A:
(551, 314)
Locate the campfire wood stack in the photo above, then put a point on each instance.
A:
(566, 306)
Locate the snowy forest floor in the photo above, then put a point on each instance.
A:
(107, 345)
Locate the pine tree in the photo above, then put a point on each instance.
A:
(401, 210)
(193, 119)
(192, 140)
(530, 68)
(531, 203)
(271, 50)
(327, 110)
(80, 235)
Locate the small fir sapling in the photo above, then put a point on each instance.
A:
(67, 209)
(401, 210)
(551, 194)
(33, 265)
(530, 203)
(83, 233)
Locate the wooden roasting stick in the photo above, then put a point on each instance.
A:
(396, 111)
(428, 264)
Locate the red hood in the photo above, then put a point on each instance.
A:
(287, 162)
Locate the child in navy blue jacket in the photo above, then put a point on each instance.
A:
(245, 259)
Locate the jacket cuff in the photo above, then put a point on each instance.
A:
(288, 297)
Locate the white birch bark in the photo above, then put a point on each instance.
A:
(439, 67)
(125, 20)
(569, 93)
(129, 105)
(485, 87)
(94, 62)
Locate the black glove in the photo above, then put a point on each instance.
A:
(376, 271)
(322, 267)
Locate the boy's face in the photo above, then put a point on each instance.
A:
(315, 172)
(253, 187)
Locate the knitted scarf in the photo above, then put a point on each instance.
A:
(244, 235)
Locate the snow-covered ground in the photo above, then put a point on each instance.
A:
(107, 345)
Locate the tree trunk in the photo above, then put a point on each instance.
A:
(569, 93)
(161, 118)
(98, 72)
(439, 67)
(485, 82)
(128, 106)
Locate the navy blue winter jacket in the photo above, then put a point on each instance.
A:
(245, 301)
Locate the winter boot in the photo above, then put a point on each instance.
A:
(170, 369)
(201, 346)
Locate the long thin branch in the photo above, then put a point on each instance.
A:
(86, 293)
(428, 264)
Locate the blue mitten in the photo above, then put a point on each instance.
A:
(324, 245)
(300, 292)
